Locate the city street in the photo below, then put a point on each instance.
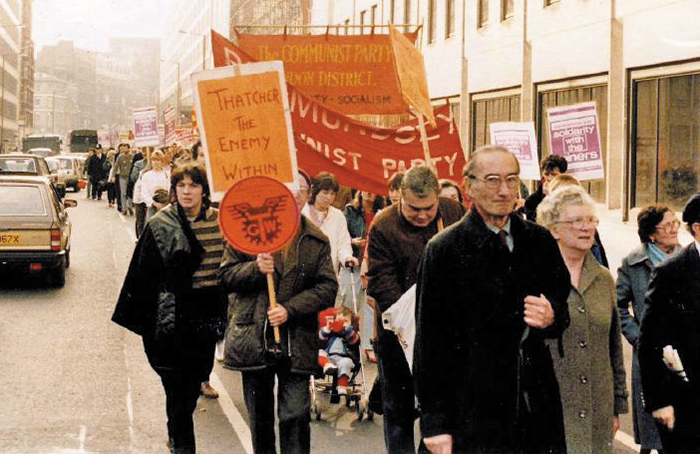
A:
(74, 382)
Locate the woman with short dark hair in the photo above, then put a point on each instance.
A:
(657, 227)
(172, 299)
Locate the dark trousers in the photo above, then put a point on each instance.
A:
(117, 193)
(397, 395)
(293, 407)
(111, 193)
(96, 189)
(140, 210)
(678, 442)
(181, 393)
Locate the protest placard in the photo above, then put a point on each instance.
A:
(243, 117)
(361, 156)
(520, 139)
(353, 74)
(145, 127)
(169, 125)
(575, 135)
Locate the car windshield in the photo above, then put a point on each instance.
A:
(21, 200)
(18, 165)
(53, 165)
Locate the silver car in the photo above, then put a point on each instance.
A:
(70, 169)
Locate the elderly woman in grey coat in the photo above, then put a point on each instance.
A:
(588, 359)
(657, 227)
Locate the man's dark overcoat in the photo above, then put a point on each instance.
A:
(482, 375)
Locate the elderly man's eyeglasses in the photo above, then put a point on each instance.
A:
(669, 227)
(495, 181)
(582, 223)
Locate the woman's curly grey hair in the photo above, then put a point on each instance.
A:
(549, 210)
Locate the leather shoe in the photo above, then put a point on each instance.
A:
(208, 391)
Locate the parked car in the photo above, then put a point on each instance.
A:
(26, 164)
(72, 168)
(55, 169)
(35, 230)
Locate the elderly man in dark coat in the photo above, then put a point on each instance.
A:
(669, 343)
(490, 290)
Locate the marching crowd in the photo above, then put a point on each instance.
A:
(519, 323)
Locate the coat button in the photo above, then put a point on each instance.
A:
(582, 414)
(584, 379)
(582, 309)
(583, 344)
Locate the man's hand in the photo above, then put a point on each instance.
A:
(538, 311)
(616, 425)
(266, 263)
(277, 316)
(359, 242)
(439, 444)
(665, 416)
(352, 262)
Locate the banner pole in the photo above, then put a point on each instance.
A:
(426, 148)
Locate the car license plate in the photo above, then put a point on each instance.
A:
(10, 239)
(25, 240)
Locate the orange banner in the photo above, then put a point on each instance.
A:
(350, 74)
(410, 69)
(244, 120)
(360, 155)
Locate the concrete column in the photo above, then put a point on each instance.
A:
(617, 176)
(527, 95)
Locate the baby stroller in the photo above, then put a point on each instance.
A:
(327, 383)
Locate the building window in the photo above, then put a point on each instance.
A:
(666, 140)
(482, 13)
(567, 97)
(507, 9)
(347, 25)
(432, 20)
(550, 2)
(363, 20)
(392, 8)
(449, 18)
(492, 110)
(373, 16)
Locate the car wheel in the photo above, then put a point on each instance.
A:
(57, 278)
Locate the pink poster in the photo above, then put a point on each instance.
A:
(575, 135)
(145, 127)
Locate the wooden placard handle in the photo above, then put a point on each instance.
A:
(273, 302)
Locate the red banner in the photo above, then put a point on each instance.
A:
(360, 155)
(353, 74)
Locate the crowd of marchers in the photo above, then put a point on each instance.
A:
(518, 322)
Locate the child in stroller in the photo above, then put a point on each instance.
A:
(341, 350)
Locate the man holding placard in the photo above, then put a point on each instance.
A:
(304, 284)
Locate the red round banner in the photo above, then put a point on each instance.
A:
(259, 214)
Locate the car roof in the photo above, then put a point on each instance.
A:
(23, 178)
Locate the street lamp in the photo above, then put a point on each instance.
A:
(204, 45)
(179, 95)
